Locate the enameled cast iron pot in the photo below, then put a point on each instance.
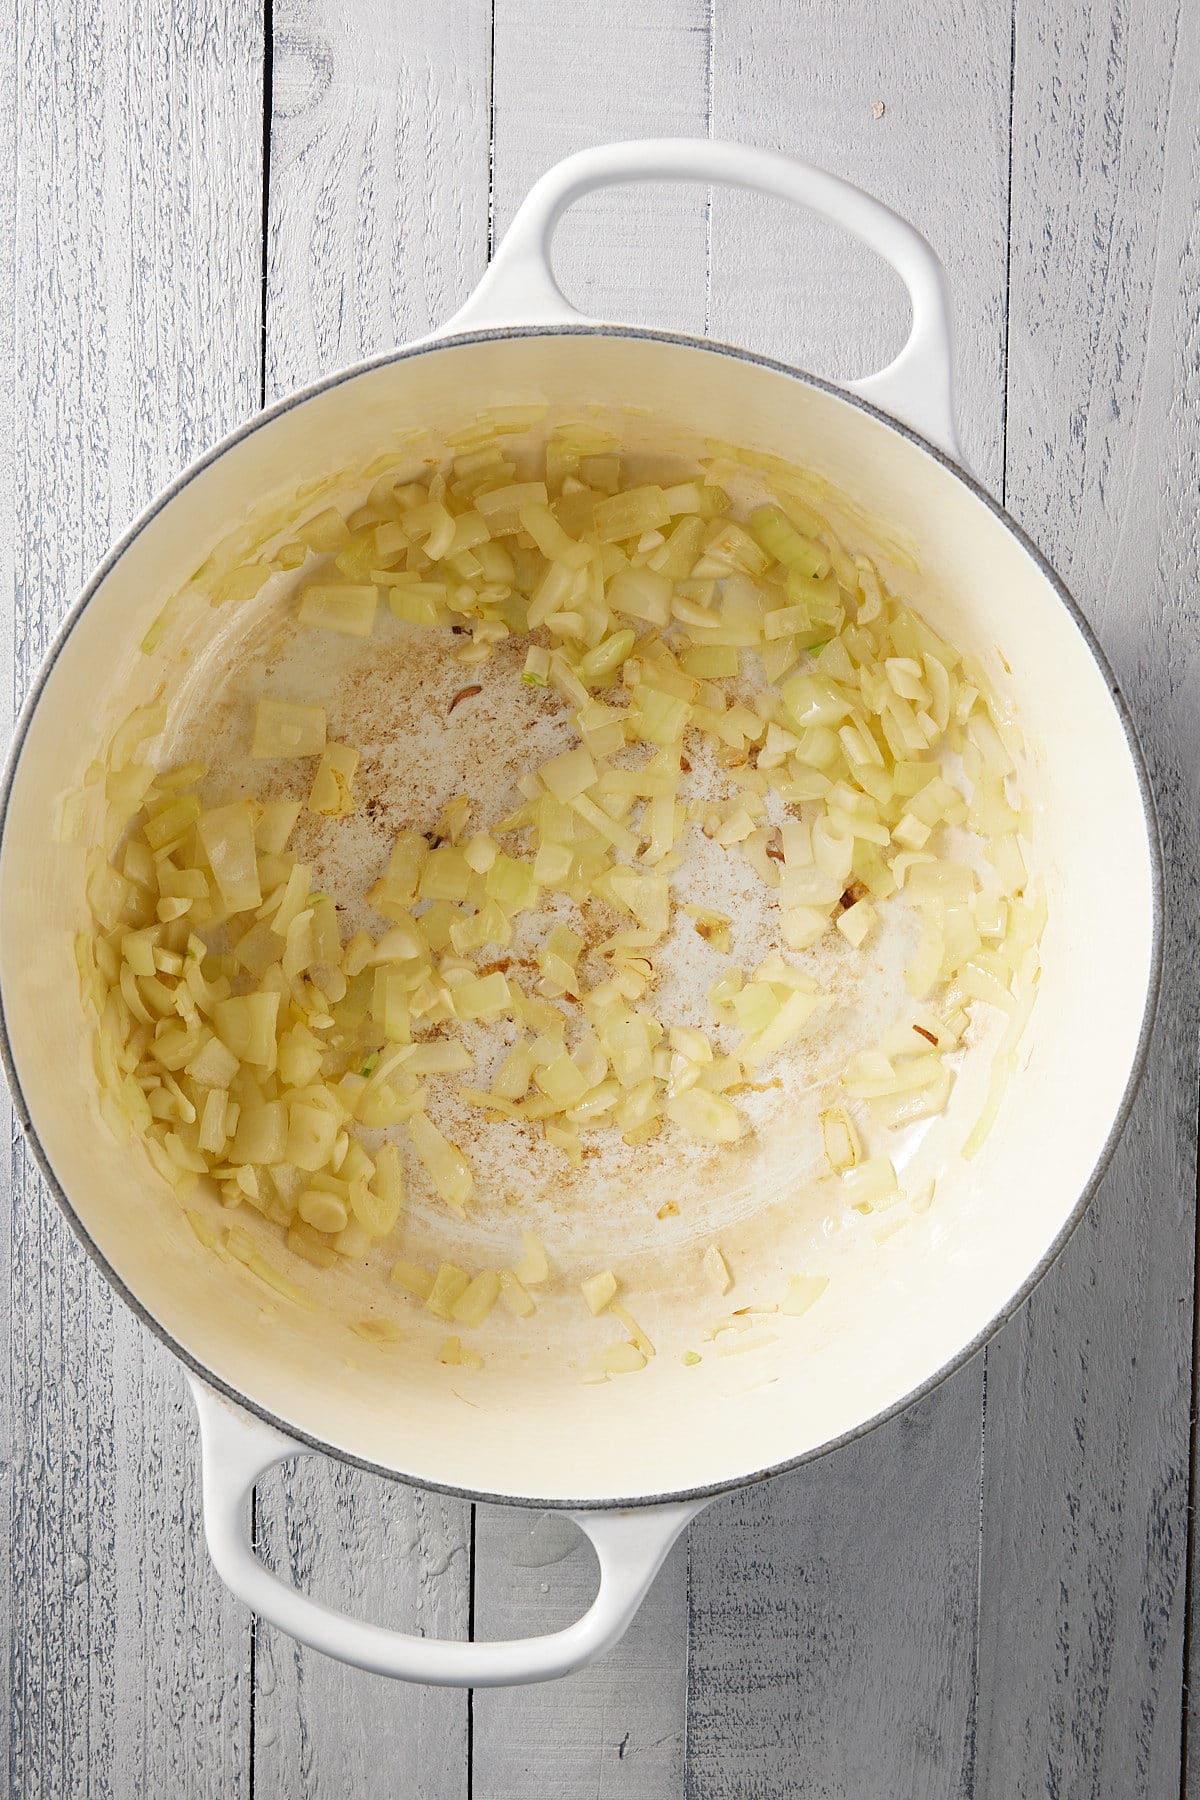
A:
(643, 1455)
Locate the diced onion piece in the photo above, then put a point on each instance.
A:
(515, 1295)
(480, 853)
(629, 514)
(789, 1020)
(413, 1279)
(324, 1212)
(599, 1290)
(658, 718)
(706, 1115)
(716, 1270)
(444, 1162)
(615, 1359)
(227, 836)
(912, 832)
(512, 883)
(283, 728)
(445, 875)
(633, 1328)
(477, 1299)
(562, 1081)
(857, 922)
(215, 1066)
(454, 1353)
(533, 1267)
(803, 1291)
(416, 603)
(449, 1285)
(613, 834)
(569, 774)
(869, 1182)
(261, 1135)
(643, 594)
(550, 538)
(331, 795)
(247, 1027)
(501, 509)
(312, 1133)
(843, 1145)
(213, 1135)
(438, 1058)
(483, 997)
(348, 608)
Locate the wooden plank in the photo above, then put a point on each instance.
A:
(9, 1401)
(134, 246)
(377, 228)
(383, 1553)
(832, 1625)
(1087, 1464)
(634, 254)
(832, 1613)
(377, 219)
(615, 1729)
(628, 70)
(799, 289)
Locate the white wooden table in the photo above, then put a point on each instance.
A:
(205, 205)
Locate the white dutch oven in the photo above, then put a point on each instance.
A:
(634, 1460)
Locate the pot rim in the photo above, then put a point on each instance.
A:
(433, 344)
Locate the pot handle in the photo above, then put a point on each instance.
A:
(519, 286)
(236, 1450)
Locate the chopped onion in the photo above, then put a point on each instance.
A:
(331, 793)
(706, 1115)
(599, 1290)
(413, 1279)
(349, 609)
(843, 1145)
(846, 756)
(454, 1353)
(716, 1270)
(477, 1299)
(533, 1267)
(516, 1296)
(282, 728)
(637, 1335)
(616, 1359)
(445, 1164)
(870, 1182)
(803, 1291)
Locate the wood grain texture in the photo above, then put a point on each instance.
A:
(835, 1646)
(134, 248)
(384, 1553)
(1087, 1464)
(9, 1399)
(833, 1611)
(614, 1731)
(377, 218)
(377, 228)
(564, 79)
(833, 1620)
(938, 152)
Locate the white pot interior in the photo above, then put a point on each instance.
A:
(896, 1310)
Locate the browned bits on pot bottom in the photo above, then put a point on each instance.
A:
(463, 694)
